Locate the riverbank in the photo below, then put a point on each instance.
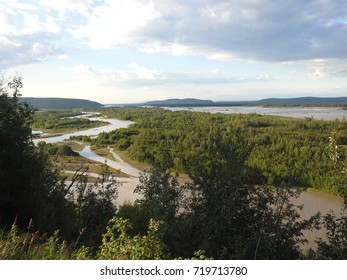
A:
(119, 164)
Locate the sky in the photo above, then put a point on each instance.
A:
(115, 51)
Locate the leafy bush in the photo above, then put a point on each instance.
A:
(118, 245)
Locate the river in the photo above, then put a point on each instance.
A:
(319, 113)
(112, 125)
(126, 189)
(313, 201)
(317, 201)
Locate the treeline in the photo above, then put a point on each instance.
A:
(55, 150)
(286, 151)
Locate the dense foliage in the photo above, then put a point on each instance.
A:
(221, 211)
(287, 151)
(230, 213)
(116, 244)
(31, 190)
(28, 185)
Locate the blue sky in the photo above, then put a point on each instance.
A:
(115, 51)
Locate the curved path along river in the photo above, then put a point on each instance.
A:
(127, 185)
(119, 164)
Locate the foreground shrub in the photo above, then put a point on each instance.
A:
(35, 246)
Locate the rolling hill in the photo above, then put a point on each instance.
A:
(60, 103)
(180, 102)
(299, 101)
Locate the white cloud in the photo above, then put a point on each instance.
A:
(219, 14)
(143, 73)
(26, 34)
(139, 76)
(249, 30)
(65, 6)
(33, 25)
(117, 23)
(321, 68)
(136, 73)
(6, 21)
(5, 43)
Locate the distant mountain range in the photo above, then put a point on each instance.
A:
(71, 103)
(60, 103)
(180, 102)
(303, 101)
(299, 101)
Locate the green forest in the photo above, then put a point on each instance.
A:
(282, 151)
(242, 169)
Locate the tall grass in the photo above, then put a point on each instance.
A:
(36, 246)
(116, 244)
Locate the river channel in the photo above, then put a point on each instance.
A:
(127, 185)
(112, 125)
(313, 201)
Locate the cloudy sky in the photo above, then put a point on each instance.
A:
(115, 51)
